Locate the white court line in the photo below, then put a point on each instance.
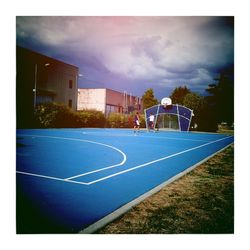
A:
(87, 173)
(151, 162)
(123, 209)
(130, 169)
(101, 169)
(52, 178)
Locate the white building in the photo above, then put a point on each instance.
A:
(107, 101)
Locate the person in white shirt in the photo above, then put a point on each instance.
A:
(151, 122)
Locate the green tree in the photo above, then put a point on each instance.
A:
(195, 102)
(179, 94)
(221, 98)
(148, 99)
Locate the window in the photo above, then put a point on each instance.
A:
(109, 109)
(40, 99)
(70, 84)
(70, 103)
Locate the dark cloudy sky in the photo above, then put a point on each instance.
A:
(135, 53)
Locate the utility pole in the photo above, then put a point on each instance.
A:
(34, 89)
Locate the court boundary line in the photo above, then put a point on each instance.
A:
(118, 173)
(154, 161)
(125, 208)
(51, 178)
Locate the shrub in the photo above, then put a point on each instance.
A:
(142, 121)
(91, 118)
(54, 115)
(117, 120)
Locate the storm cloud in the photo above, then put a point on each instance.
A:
(135, 53)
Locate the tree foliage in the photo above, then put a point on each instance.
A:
(148, 99)
(221, 98)
(213, 109)
(117, 120)
(54, 115)
(195, 102)
(179, 94)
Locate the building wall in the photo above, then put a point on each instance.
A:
(41, 79)
(61, 80)
(91, 99)
(107, 101)
(114, 102)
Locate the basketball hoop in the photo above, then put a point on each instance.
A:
(166, 102)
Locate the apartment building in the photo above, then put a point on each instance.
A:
(42, 79)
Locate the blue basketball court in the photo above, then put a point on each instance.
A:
(77, 180)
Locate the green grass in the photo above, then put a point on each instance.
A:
(201, 202)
